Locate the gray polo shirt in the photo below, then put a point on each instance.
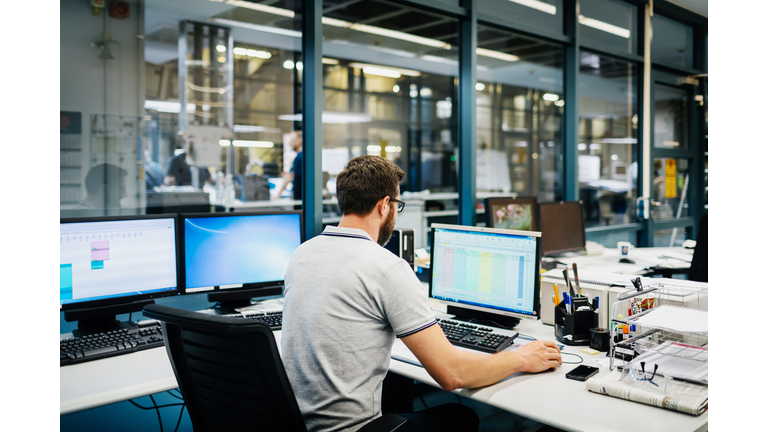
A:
(346, 299)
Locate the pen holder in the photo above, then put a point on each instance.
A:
(574, 328)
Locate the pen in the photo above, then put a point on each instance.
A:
(576, 276)
(568, 282)
(557, 294)
(567, 303)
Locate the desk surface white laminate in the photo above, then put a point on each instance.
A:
(114, 379)
(646, 259)
(550, 398)
(546, 397)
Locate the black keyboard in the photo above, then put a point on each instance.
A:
(102, 345)
(476, 336)
(273, 319)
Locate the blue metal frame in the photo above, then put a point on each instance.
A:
(467, 115)
(312, 112)
(571, 97)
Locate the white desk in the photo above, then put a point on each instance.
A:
(115, 379)
(552, 399)
(547, 397)
(646, 260)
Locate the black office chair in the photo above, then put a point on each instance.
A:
(698, 271)
(231, 376)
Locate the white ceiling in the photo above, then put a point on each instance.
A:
(698, 6)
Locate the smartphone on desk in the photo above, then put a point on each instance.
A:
(582, 373)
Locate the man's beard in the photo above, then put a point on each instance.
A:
(385, 232)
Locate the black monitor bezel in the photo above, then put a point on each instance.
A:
(132, 298)
(246, 286)
(490, 309)
(581, 221)
(490, 201)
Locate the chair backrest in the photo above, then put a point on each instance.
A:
(699, 262)
(229, 371)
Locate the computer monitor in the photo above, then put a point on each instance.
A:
(562, 227)
(115, 265)
(238, 256)
(486, 274)
(516, 213)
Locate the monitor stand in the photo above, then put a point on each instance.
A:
(227, 301)
(103, 319)
(484, 318)
(230, 307)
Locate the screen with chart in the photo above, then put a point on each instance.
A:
(103, 259)
(487, 269)
(228, 251)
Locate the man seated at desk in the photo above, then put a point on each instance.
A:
(180, 172)
(347, 298)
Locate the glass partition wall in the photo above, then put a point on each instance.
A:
(607, 140)
(390, 87)
(519, 115)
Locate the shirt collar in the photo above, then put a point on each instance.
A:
(331, 230)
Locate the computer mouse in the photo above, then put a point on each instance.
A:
(626, 261)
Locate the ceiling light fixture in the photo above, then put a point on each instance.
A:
(497, 55)
(251, 128)
(394, 34)
(166, 106)
(381, 72)
(604, 26)
(247, 143)
(331, 117)
(257, 27)
(550, 97)
(538, 5)
(259, 7)
(384, 69)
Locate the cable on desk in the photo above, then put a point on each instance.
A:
(580, 358)
(157, 407)
(180, 414)
(180, 397)
(157, 410)
(152, 407)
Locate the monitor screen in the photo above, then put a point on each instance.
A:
(486, 269)
(235, 250)
(562, 227)
(512, 213)
(119, 259)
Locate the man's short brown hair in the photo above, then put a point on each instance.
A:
(364, 181)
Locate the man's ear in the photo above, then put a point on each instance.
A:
(382, 206)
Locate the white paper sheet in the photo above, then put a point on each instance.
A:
(674, 318)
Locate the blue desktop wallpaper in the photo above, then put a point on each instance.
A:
(239, 249)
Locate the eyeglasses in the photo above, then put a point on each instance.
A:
(400, 204)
